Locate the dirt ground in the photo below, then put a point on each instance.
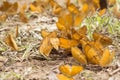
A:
(28, 64)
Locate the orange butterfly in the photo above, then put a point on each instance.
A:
(56, 7)
(80, 33)
(70, 71)
(106, 58)
(11, 42)
(5, 6)
(72, 8)
(9, 8)
(62, 77)
(91, 54)
(78, 55)
(67, 43)
(44, 33)
(47, 45)
(104, 40)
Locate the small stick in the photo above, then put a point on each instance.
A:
(115, 71)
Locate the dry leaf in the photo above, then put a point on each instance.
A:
(107, 57)
(62, 77)
(70, 71)
(11, 42)
(78, 55)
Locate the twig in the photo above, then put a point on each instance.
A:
(6, 28)
(115, 71)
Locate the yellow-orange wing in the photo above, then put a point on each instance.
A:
(23, 18)
(55, 43)
(44, 33)
(13, 9)
(63, 77)
(92, 55)
(11, 42)
(78, 55)
(56, 7)
(5, 6)
(65, 21)
(104, 40)
(45, 47)
(72, 8)
(102, 12)
(70, 71)
(106, 58)
(67, 43)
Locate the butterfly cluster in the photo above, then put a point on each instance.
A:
(68, 36)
